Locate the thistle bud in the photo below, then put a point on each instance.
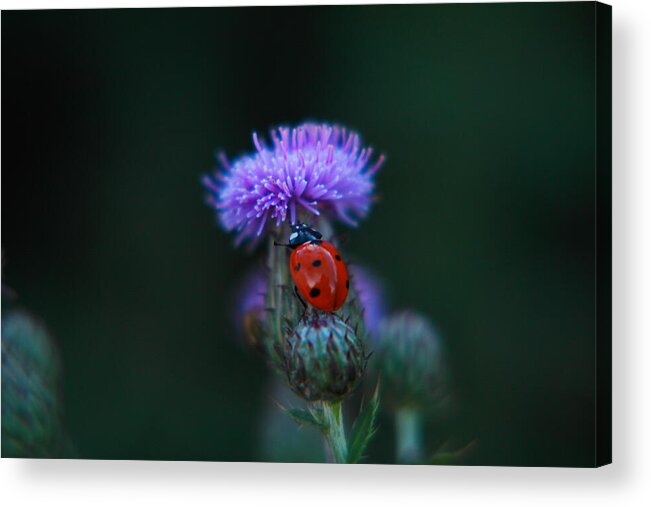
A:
(31, 403)
(410, 360)
(323, 358)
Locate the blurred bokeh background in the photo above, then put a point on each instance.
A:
(485, 222)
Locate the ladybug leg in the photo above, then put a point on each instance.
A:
(299, 297)
(301, 300)
(282, 244)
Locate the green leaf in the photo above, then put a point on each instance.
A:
(364, 428)
(452, 457)
(305, 417)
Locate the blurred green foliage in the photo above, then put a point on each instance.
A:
(485, 222)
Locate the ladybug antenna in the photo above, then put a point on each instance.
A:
(276, 243)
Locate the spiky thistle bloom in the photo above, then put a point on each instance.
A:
(310, 169)
(409, 355)
(323, 358)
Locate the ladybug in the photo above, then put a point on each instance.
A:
(317, 268)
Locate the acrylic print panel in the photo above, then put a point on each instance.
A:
(437, 178)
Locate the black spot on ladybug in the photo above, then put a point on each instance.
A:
(298, 266)
(314, 292)
(347, 284)
(338, 257)
(316, 263)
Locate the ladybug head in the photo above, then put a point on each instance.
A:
(302, 233)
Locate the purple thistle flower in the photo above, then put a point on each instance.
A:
(249, 311)
(371, 296)
(311, 168)
(251, 291)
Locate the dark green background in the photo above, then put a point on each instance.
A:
(486, 221)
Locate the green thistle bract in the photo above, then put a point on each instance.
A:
(323, 358)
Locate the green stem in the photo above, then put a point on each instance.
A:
(335, 435)
(282, 307)
(409, 436)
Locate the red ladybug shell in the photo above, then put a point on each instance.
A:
(320, 274)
